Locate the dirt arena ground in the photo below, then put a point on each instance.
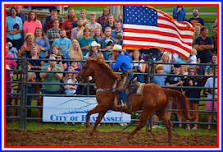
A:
(74, 138)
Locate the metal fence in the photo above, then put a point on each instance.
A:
(20, 83)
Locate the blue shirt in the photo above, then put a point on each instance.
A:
(159, 80)
(122, 62)
(64, 44)
(10, 22)
(179, 16)
(44, 43)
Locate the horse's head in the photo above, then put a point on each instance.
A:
(87, 70)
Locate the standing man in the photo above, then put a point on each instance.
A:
(204, 45)
(196, 19)
(68, 23)
(179, 13)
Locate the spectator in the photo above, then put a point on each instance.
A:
(165, 59)
(215, 40)
(70, 78)
(197, 31)
(138, 66)
(98, 36)
(64, 44)
(159, 79)
(193, 58)
(103, 20)
(93, 24)
(179, 13)
(51, 77)
(204, 45)
(50, 24)
(31, 78)
(107, 43)
(77, 32)
(14, 28)
(10, 64)
(53, 11)
(196, 19)
(12, 50)
(31, 24)
(85, 41)
(211, 94)
(213, 61)
(93, 50)
(83, 16)
(193, 93)
(75, 51)
(27, 46)
(75, 64)
(42, 41)
(117, 30)
(111, 23)
(174, 81)
(54, 32)
(68, 24)
(34, 64)
(20, 13)
(55, 51)
(119, 39)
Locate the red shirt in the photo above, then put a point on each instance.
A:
(68, 26)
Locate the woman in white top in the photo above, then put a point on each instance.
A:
(70, 78)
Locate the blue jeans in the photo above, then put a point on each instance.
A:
(123, 93)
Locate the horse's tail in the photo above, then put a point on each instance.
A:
(181, 100)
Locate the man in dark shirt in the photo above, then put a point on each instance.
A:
(196, 19)
(204, 44)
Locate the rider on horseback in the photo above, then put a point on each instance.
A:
(123, 62)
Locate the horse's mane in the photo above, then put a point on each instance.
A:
(104, 66)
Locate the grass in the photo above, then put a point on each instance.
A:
(35, 126)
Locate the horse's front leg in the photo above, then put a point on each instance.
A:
(98, 120)
(97, 109)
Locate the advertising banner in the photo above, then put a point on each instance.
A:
(74, 109)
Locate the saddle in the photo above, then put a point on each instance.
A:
(132, 88)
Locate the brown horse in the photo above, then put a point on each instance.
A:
(154, 98)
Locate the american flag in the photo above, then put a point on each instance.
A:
(145, 27)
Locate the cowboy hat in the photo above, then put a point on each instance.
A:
(94, 43)
(117, 47)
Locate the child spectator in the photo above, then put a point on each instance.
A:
(159, 79)
(211, 105)
(31, 78)
(70, 78)
(31, 24)
(42, 41)
(193, 58)
(165, 59)
(12, 50)
(68, 24)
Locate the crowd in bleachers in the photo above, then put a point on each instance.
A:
(75, 39)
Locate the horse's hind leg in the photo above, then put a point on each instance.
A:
(142, 121)
(98, 120)
(164, 117)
